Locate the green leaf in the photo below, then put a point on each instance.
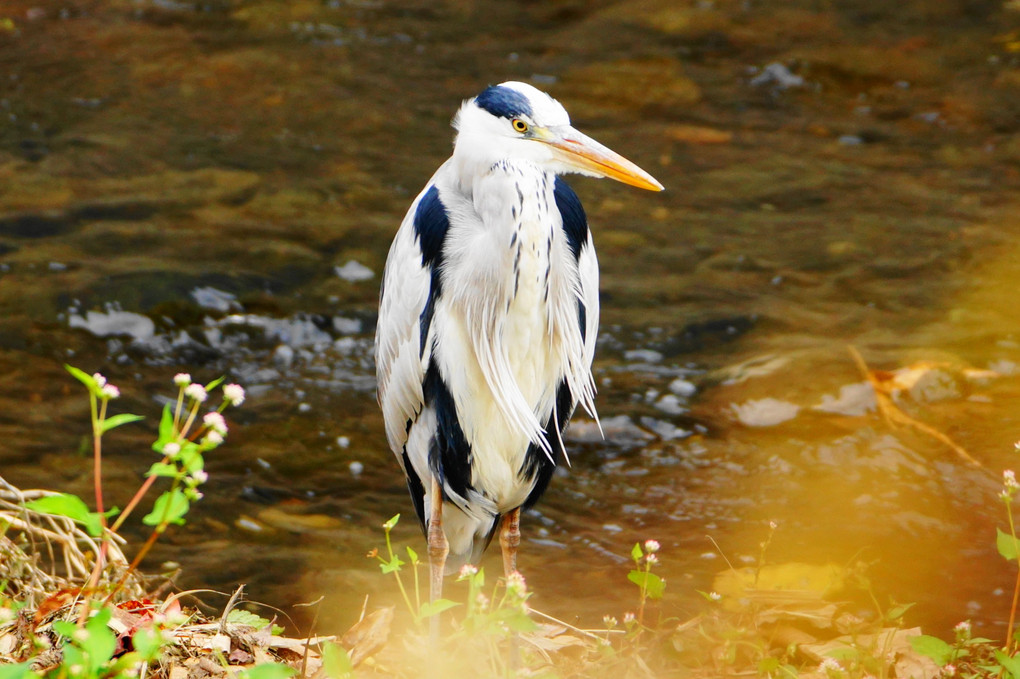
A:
(388, 526)
(64, 628)
(148, 641)
(71, 506)
(436, 607)
(215, 383)
(166, 429)
(267, 671)
(651, 583)
(336, 662)
(933, 647)
(162, 469)
(239, 616)
(896, 612)
(518, 621)
(118, 420)
(413, 556)
(1007, 544)
(637, 552)
(84, 378)
(18, 671)
(170, 507)
(101, 642)
(1011, 663)
(190, 458)
(391, 566)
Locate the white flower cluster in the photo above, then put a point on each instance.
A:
(107, 391)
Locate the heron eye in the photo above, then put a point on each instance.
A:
(520, 125)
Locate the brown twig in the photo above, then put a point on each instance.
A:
(894, 415)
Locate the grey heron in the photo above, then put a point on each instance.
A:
(488, 317)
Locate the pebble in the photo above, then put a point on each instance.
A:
(765, 412)
(779, 75)
(283, 356)
(683, 388)
(352, 272)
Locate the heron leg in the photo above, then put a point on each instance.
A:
(510, 539)
(438, 549)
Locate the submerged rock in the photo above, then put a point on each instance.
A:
(765, 412)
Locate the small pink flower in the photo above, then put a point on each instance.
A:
(196, 392)
(213, 437)
(109, 392)
(515, 583)
(100, 380)
(215, 422)
(234, 394)
(1009, 479)
(652, 546)
(182, 379)
(171, 449)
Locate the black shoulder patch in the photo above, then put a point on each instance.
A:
(449, 451)
(575, 222)
(431, 224)
(504, 102)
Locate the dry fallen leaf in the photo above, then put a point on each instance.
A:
(367, 636)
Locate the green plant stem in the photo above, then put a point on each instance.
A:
(191, 417)
(396, 574)
(149, 542)
(98, 415)
(417, 587)
(644, 596)
(1016, 587)
(134, 501)
(137, 560)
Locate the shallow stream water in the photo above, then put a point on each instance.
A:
(211, 186)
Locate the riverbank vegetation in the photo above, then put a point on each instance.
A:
(74, 605)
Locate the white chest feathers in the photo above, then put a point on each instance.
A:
(509, 326)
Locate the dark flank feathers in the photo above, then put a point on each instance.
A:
(430, 226)
(449, 451)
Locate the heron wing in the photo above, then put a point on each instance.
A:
(575, 227)
(410, 287)
(588, 274)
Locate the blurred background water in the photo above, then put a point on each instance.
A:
(211, 186)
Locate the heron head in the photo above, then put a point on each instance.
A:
(517, 121)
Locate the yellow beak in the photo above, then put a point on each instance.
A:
(590, 157)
